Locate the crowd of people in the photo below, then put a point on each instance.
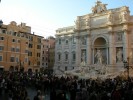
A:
(15, 84)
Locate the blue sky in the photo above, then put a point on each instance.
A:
(45, 16)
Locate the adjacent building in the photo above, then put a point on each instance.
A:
(19, 48)
(51, 53)
(104, 36)
(48, 52)
(35, 52)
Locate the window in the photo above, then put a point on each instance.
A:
(18, 34)
(38, 63)
(22, 34)
(18, 41)
(17, 49)
(38, 54)
(1, 58)
(30, 38)
(42, 58)
(1, 38)
(17, 59)
(46, 59)
(66, 56)
(26, 51)
(3, 31)
(29, 63)
(66, 68)
(14, 33)
(73, 40)
(29, 53)
(38, 46)
(39, 40)
(1, 48)
(59, 41)
(26, 42)
(26, 59)
(59, 57)
(73, 56)
(12, 59)
(42, 64)
(47, 46)
(30, 45)
(13, 40)
(66, 42)
(13, 49)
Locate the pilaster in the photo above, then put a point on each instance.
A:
(78, 51)
(111, 47)
(89, 60)
(125, 43)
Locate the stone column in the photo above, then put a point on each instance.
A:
(93, 55)
(78, 52)
(107, 50)
(111, 46)
(125, 45)
(62, 53)
(89, 60)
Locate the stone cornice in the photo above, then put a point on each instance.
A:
(81, 30)
(123, 30)
(94, 28)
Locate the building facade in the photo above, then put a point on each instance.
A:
(104, 36)
(19, 48)
(35, 52)
(48, 52)
(51, 53)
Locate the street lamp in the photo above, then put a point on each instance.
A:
(126, 65)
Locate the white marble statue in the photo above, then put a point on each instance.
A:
(99, 57)
(124, 16)
(83, 59)
(99, 7)
(110, 17)
(94, 10)
(77, 24)
(88, 22)
(119, 55)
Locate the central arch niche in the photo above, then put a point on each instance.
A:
(100, 42)
(100, 51)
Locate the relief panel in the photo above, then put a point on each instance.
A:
(95, 22)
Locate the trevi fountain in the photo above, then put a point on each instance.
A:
(97, 45)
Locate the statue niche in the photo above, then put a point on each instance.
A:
(119, 55)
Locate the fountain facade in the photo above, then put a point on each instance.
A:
(97, 44)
